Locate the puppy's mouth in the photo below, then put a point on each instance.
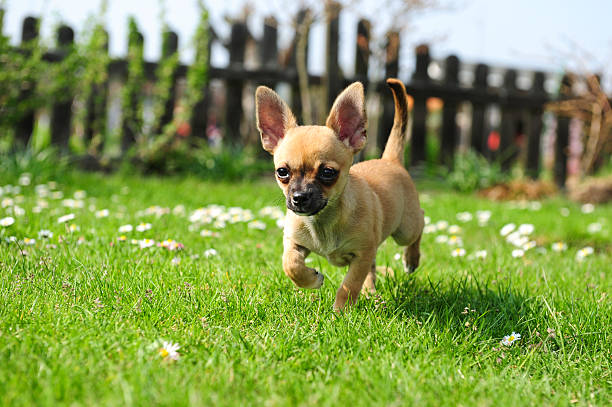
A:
(309, 210)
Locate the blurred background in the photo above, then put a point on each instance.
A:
(498, 89)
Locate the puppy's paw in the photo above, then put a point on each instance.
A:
(318, 282)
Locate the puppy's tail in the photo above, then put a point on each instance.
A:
(394, 150)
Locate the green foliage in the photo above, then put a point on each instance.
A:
(197, 158)
(164, 81)
(131, 95)
(197, 76)
(472, 171)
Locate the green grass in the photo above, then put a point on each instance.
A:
(78, 319)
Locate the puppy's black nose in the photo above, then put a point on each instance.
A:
(300, 198)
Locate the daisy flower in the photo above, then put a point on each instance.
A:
(210, 253)
(73, 228)
(441, 224)
(144, 243)
(143, 227)
(587, 208)
(209, 233)
(559, 247)
(454, 229)
(257, 224)
(103, 213)
(429, 229)
(510, 339)
(6, 222)
(458, 252)
(176, 260)
(529, 245)
(398, 256)
(483, 217)
(29, 242)
(455, 241)
(125, 228)
(464, 216)
(65, 218)
(594, 227)
(122, 238)
(45, 234)
(507, 229)
(565, 212)
(516, 253)
(526, 229)
(584, 252)
(441, 239)
(169, 351)
(480, 254)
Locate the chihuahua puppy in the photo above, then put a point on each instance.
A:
(335, 209)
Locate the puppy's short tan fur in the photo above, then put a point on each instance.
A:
(338, 210)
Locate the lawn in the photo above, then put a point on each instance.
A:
(85, 307)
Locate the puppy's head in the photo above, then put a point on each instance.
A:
(312, 162)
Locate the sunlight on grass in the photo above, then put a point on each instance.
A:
(112, 288)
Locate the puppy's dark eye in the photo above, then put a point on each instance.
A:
(282, 172)
(327, 173)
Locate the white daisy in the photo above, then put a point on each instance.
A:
(141, 227)
(145, 243)
(510, 339)
(454, 229)
(526, 229)
(210, 253)
(565, 212)
(458, 252)
(257, 224)
(584, 252)
(587, 208)
(65, 218)
(516, 253)
(209, 233)
(480, 254)
(169, 351)
(559, 247)
(464, 216)
(45, 234)
(6, 222)
(441, 239)
(506, 229)
(441, 224)
(125, 228)
(594, 227)
(103, 213)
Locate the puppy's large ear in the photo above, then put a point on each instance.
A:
(348, 117)
(274, 118)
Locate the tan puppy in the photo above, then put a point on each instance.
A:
(336, 210)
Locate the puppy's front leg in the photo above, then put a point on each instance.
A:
(295, 267)
(351, 286)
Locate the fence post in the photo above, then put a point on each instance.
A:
(507, 147)
(234, 87)
(419, 112)
(61, 111)
(362, 52)
(562, 141)
(391, 71)
(478, 109)
(296, 94)
(25, 125)
(333, 84)
(534, 130)
(448, 141)
(169, 50)
(95, 124)
(268, 47)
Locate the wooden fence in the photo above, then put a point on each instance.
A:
(521, 110)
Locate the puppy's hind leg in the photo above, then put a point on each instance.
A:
(369, 284)
(412, 254)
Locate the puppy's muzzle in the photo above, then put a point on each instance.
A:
(305, 203)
